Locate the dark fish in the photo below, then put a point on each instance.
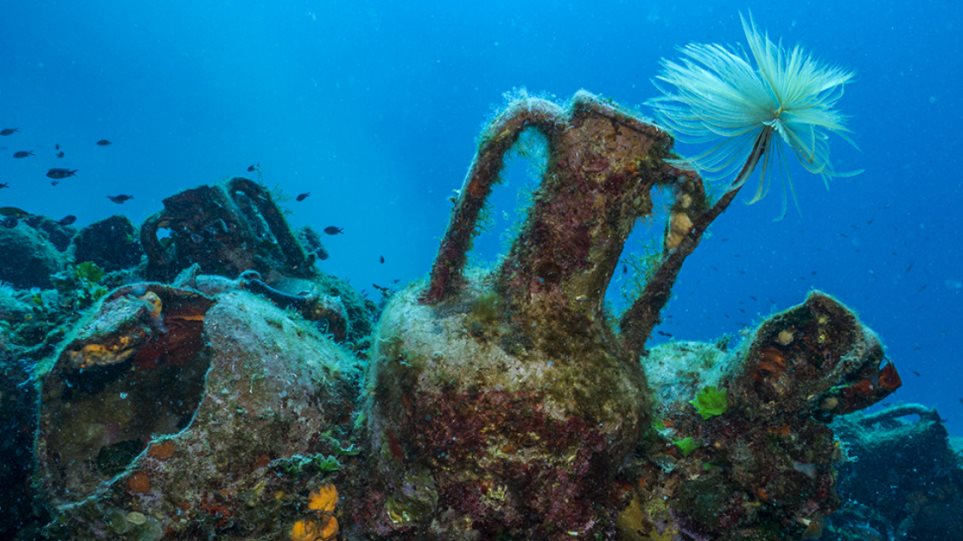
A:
(915, 373)
(381, 259)
(57, 146)
(54, 182)
(332, 230)
(60, 154)
(253, 167)
(67, 220)
(103, 143)
(302, 196)
(13, 212)
(382, 289)
(60, 172)
(120, 198)
(9, 222)
(22, 153)
(663, 333)
(8, 131)
(4, 185)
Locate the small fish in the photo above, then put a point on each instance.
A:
(60, 172)
(915, 373)
(57, 146)
(54, 182)
(120, 198)
(253, 167)
(302, 196)
(4, 185)
(8, 131)
(103, 143)
(67, 220)
(60, 154)
(22, 153)
(663, 333)
(332, 230)
(381, 259)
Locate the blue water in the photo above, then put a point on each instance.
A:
(374, 108)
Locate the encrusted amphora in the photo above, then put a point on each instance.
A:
(226, 229)
(507, 397)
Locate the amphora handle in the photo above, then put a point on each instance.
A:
(498, 139)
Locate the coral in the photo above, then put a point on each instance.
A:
(710, 402)
(686, 445)
(324, 499)
(313, 530)
(88, 272)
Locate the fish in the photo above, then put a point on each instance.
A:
(13, 212)
(60, 154)
(253, 167)
(302, 196)
(381, 259)
(663, 333)
(8, 131)
(333, 230)
(4, 185)
(22, 153)
(915, 373)
(382, 289)
(60, 172)
(67, 220)
(103, 143)
(54, 182)
(57, 146)
(120, 198)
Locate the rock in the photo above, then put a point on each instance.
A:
(29, 257)
(111, 243)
